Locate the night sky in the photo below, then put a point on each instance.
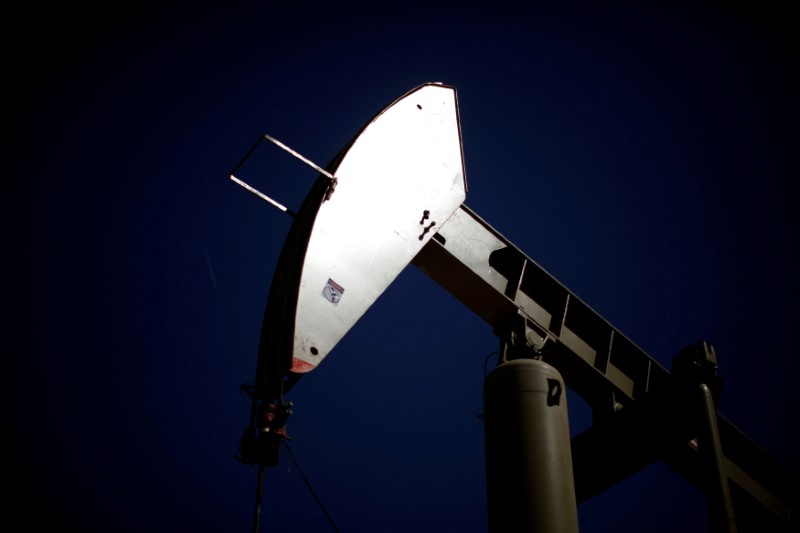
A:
(644, 156)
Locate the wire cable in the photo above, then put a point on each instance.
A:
(487, 360)
(310, 488)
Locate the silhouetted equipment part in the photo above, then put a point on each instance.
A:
(411, 154)
(262, 438)
(261, 441)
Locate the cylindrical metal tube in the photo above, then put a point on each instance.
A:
(530, 487)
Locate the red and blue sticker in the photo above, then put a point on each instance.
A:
(332, 291)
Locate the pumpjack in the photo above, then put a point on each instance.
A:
(394, 196)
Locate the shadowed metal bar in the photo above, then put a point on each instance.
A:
(262, 195)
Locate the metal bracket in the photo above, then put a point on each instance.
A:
(521, 338)
(294, 153)
(697, 364)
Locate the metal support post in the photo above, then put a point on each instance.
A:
(718, 496)
(695, 369)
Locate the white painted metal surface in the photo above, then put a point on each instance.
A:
(400, 181)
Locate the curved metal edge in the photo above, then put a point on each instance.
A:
(277, 330)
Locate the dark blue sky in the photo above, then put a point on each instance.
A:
(646, 157)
